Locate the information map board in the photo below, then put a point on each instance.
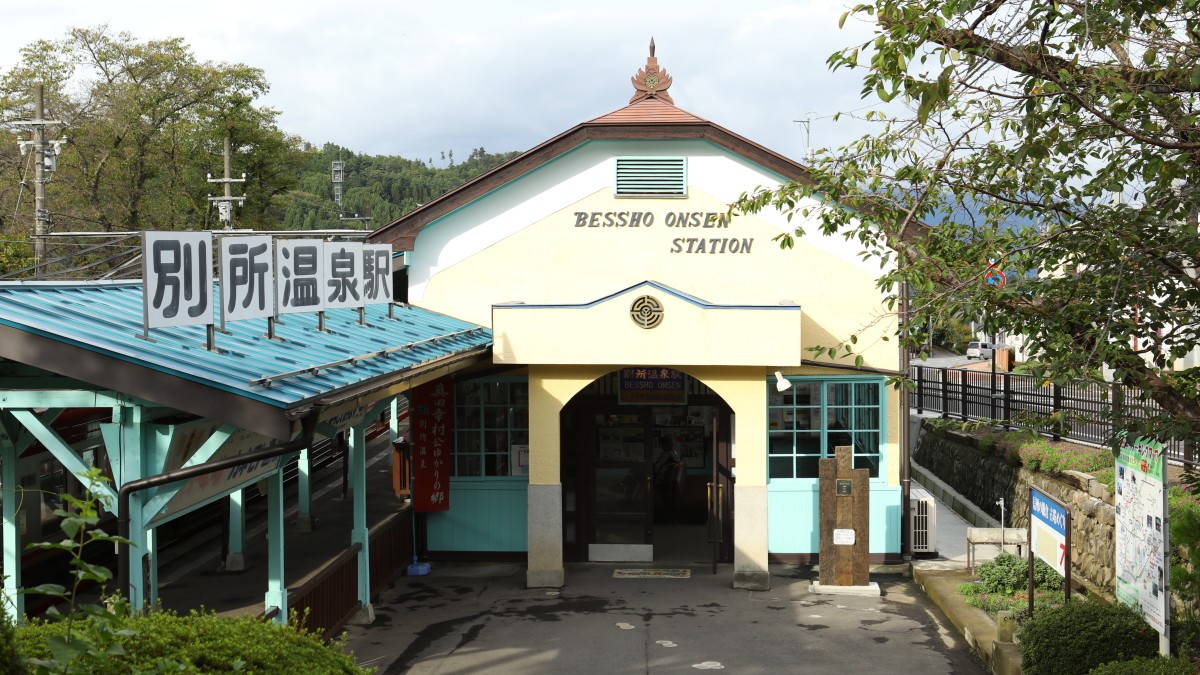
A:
(1142, 530)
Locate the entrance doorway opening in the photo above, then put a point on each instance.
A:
(646, 470)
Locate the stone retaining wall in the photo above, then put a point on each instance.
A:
(984, 478)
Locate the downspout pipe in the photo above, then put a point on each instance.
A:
(906, 536)
(308, 430)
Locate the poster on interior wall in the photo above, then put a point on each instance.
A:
(431, 419)
(1141, 549)
(660, 386)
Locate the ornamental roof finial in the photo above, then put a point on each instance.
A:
(651, 81)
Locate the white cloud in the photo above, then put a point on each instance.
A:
(401, 78)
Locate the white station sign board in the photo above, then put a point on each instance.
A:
(177, 273)
(259, 276)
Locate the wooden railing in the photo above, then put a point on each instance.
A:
(330, 595)
(390, 548)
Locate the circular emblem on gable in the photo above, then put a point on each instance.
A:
(646, 312)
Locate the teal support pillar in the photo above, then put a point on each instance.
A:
(276, 596)
(13, 602)
(130, 425)
(152, 564)
(359, 534)
(235, 561)
(393, 430)
(304, 518)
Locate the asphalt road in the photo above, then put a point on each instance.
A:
(476, 618)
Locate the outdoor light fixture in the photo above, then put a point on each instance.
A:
(781, 382)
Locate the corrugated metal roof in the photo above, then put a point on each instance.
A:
(647, 111)
(106, 318)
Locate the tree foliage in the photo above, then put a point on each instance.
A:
(1057, 140)
(145, 123)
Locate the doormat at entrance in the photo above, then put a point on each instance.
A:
(665, 573)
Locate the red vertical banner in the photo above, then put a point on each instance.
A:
(431, 415)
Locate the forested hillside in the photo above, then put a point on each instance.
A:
(143, 124)
(382, 187)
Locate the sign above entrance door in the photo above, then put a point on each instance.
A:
(641, 386)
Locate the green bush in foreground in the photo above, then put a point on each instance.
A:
(1007, 574)
(1079, 636)
(1147, 665)
(199, 642)
(11, 662)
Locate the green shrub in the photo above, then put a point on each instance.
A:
(1079, 636)
(1043, 455)
(1007, 574)
(11, 662)
(200, 642)
(1147, 665)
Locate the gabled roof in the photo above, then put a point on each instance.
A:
(648, 111)
(92, 332)
(650, 115)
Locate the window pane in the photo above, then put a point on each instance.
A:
(466, 465)
(519, 393)
(780, 444)
(808, 443)
(807, 467)
(519, 417)
(868, 462)
(837, 393)
(782, 467)
(495, 417)
(866, 419)
(802, 394)
(494, 392)
(866, 442)
(468, 418)
(838, 439)
(468, 393)
(496, 441)
(496, 464)
(838, 418)
(866, 393)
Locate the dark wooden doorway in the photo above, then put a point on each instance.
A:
(607, 472)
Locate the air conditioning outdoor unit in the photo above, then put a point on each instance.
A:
(922, 522)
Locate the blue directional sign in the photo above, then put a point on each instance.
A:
(1049, 523)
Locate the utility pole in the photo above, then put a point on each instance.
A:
(338, 175)
(226, 203)
(809, 155)
(45, 160)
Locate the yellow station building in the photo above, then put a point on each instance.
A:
(636, 327)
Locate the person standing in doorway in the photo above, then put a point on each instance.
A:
(670, 477)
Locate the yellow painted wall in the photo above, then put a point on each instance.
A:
(553, 261)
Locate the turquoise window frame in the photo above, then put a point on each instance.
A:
(477, 436)
(786, 433)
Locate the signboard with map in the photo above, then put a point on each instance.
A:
(1142, 530)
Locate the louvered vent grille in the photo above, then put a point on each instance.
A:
(651, 177)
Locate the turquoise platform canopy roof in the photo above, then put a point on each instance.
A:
(92, 332)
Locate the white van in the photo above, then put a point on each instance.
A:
(979, 350)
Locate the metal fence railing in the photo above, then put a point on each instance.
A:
(1080, 411)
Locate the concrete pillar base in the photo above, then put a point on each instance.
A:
(235, 562)
(545, 578)
(305, 523)
(365, 616)
(752, 581)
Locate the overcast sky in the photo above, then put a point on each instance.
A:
(418, 78)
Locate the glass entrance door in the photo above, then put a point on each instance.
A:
(623, 495)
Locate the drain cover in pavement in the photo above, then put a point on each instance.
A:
(665, 573)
